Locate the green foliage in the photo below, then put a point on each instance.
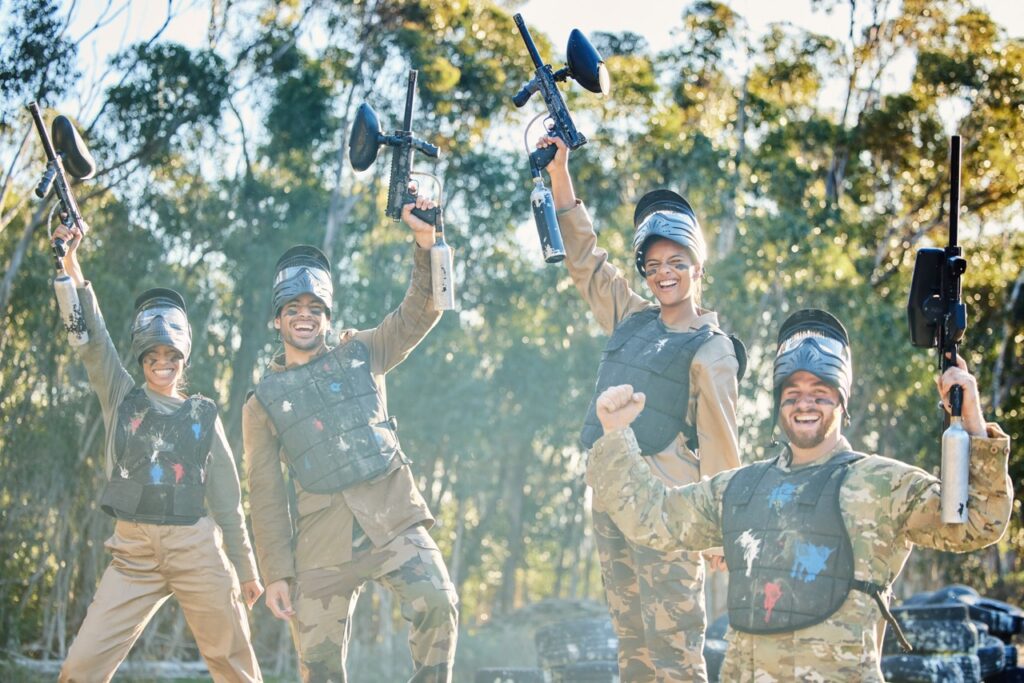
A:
(37, 62)
(215, 161)
(166, 86)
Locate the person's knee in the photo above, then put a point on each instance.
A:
(436, 607)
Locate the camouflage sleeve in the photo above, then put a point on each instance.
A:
(108, 376)
(268, 498)
(990, 500)
(644, 508)
(406, 326)
(602, 285)
(713, 404)
(224, 500)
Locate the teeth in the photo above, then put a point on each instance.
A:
(667, 283)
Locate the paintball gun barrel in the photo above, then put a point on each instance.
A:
(586, 67)
(365, 140)
(66, 154)
(938, 320)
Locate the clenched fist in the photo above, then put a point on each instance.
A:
(618, 406)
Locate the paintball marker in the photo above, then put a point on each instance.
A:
(938, 319)
(585, 67)
(65, 154)
(364, 141)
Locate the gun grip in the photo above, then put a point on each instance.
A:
(428, 216)
(540, 158)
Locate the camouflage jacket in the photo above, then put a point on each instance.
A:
(887, 506)
(383, 507)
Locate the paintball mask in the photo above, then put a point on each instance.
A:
(160, 318)
(815, 341)
(663, 213)
(303, 270)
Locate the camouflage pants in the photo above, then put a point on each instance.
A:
(412, 568)
(656, 601)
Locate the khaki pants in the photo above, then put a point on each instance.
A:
(656, 602)
(151, 563)
(412, 568)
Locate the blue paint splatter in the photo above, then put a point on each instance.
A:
(810, 561)
(197, 429)
(156, 473)
(335, 387)
(781, 494)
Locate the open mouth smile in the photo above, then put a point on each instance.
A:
(665, 285)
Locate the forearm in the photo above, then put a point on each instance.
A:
(268, 497)
(405, 327)
(562, 191)
(224, 501)
(642, 506)
(109, 378)
(715, 390)
(602, 285)
(990, 501)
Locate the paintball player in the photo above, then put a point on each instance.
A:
(675, 350)
(173, 488)
(323, 412)
(815, 536)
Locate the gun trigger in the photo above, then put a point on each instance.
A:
(549, 124)
(413, 187)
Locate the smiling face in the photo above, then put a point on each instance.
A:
(670, 271)
(810, 411)
(162, 366)
(303, 323)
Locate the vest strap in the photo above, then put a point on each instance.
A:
(876, 591)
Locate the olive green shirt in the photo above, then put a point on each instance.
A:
(112, 382)
(383, 507)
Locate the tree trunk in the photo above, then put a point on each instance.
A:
(513, 500)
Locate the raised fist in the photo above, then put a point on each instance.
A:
(618, 406)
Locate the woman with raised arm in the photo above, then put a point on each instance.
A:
(173, 488)
(673, 350)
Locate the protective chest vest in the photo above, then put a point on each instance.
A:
(789, 554)
(644, 353)
(326, 413)
(160, 462)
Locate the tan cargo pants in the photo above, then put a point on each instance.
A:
(151, 563)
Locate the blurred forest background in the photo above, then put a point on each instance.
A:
(815, 182)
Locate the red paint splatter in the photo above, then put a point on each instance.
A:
(319, 425)
(136, 421)
(179, 472)
(772, 593)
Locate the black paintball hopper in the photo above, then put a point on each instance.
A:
(365, 138)
(77, 160)
(585, 64)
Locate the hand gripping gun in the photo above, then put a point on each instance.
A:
(366, 138)
(938, 319)
(66, 155)
(586, 67)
